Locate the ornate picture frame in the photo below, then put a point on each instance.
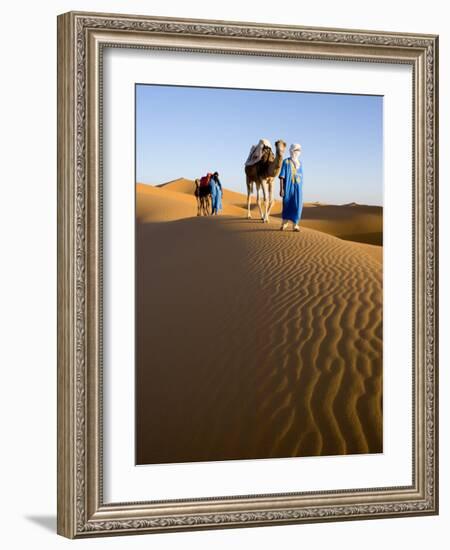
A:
(82, 37)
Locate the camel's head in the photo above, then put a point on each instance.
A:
(280, 146)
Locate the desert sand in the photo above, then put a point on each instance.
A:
(251, 342)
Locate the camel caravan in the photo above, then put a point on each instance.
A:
(208, 192)
(262, 167)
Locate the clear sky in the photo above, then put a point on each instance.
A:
(188, 131)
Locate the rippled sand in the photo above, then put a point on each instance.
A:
(251, 342)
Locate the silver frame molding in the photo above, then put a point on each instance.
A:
(81, 39)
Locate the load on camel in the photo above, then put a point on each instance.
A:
(261, 169)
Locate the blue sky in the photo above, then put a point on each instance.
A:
(188, 131)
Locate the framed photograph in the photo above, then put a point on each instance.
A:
(247, 274)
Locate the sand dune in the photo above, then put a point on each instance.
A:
(352, 222)
(181, 185)
(153, 204)
(165, 204)
(253, 342)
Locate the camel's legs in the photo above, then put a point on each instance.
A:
(249, 198)
(258, 200)
(271, 201)
(265, 216)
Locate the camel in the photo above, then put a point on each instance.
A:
(251, 173)
(202, 196)
(263, 174)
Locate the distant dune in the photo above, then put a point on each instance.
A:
(154, 204)
(168, 204)
(251, 342)
(352, 222)
(182, 185)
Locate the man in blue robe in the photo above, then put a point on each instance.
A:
(291, 188)
(216, 194)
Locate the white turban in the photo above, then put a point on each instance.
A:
(295, 147)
